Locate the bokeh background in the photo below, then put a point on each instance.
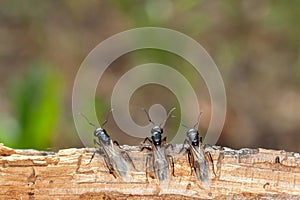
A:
(255, 44)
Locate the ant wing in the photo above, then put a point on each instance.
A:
(201, 166)
(118, 162)
(161, 166)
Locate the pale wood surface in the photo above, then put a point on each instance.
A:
(240, 174)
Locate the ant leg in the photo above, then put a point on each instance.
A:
(205, 146)
(191, 161)
(209, 157)
(170, 158)
(164, 140)
(172, 164)
(92, 158)
(201, 139)
(170, 145)
(95, 143)
(183, 146)
(110, 167)
(167, 146)
(147, 139)
(219, 163)
(142, 146)
(147, 167)
(148, 148)
(117, 144)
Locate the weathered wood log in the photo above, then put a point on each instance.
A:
(67, 174)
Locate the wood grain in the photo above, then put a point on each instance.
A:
(239, 174)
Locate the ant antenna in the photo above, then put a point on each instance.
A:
(149, 119)
(185, 126)
(163, 124)
(105, 121)
(197, 123)
(106, 118)
(87, 119)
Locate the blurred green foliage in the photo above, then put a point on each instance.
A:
(255, 44)
(36, 101)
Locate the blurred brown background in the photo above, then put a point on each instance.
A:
(255, 44)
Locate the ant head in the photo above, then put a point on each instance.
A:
(99, 131)
(193, 136)
(192, 133)
(156, 130)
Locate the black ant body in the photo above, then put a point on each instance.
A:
(116, 160)
(197, 157)
(161, 161)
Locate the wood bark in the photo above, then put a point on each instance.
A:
(67, 174)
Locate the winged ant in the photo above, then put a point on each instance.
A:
(161, 161)
(198, 158)
(117, 160)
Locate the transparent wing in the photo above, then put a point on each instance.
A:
(161, 166)
(118, 163)
(201, 166)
